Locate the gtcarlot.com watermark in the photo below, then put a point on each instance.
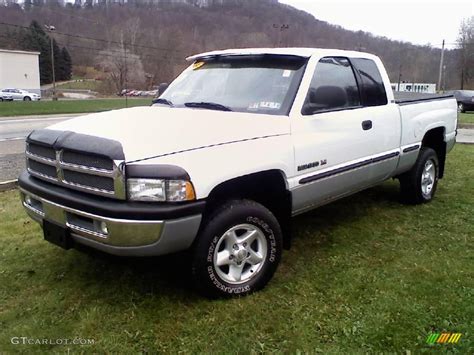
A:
(50, 341)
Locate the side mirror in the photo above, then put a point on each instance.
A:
(162, 88)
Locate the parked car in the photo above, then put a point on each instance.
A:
(239, 143)
(465, 100)
(21, 95)
(5, 97)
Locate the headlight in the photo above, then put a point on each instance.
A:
(156, 190)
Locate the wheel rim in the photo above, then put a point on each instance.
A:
(428, 177)
(460, 107)
(240, 253)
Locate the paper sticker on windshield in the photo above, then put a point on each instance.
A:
(198, 65)
(265, 105)
(286, 73)
(270, 105)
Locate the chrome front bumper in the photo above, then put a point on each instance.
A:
(115, 236)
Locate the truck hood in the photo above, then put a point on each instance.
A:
(146, 132)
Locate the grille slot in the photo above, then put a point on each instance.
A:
(91, 181)
(43, 169)
(93, 161)
(42, 151)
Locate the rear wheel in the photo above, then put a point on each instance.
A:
(27, 98)
(461, 108)
(237, 251)
(419, 184)
(1, 99)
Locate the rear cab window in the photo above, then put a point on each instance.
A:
(370, 81)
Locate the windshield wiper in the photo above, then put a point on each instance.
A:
(207, 105)
(162, 101)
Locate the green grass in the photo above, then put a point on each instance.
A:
(81, 85)
(20, 108)
(467, 117)
(365, 275)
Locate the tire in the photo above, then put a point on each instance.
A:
(419, 184)
(27, 98)
(224, 234)
(1, 99)
(461, 108)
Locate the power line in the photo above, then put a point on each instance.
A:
(106, 52)
(102, 40)
(121, 53)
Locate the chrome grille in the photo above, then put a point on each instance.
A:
(81, 179)
(43, 169)
(87, 172)
(94, 161)
(42, 151)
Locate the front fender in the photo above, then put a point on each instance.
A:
(212, 166)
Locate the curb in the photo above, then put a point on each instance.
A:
(8, 185)
(466, 125)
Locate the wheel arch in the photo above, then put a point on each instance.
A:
(435, 139)
(269, 188)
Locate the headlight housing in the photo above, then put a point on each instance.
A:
(160, 190)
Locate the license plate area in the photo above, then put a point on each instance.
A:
(57, 234)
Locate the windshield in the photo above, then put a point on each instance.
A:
(259, 84)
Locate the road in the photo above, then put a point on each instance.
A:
(13, 131)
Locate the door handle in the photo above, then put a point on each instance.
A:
(366, 125)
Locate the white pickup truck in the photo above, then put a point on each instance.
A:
(239, 143)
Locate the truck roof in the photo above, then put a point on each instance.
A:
(299, 52)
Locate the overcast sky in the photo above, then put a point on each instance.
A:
(416, 21)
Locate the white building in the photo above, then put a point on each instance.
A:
(20, 70)
(426, 88)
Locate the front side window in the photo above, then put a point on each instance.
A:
(372, 85)
(333, 87)
(264, 84)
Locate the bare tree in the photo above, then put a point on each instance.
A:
(466, 46)
(124, 69)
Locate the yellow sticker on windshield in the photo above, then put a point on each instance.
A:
(198, 65)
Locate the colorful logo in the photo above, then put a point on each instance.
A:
(443, 338)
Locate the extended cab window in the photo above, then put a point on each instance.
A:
(333, 87)
(265, 84)
(372, 87)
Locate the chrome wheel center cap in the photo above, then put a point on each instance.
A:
(241, 255)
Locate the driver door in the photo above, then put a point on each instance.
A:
(336, 138)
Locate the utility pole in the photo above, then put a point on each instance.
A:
(50, 30)
(441, 67)
(126, 73)
(399, 77)
(444, 77)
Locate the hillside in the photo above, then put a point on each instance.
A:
(157, 36)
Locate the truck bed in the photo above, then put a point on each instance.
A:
(406, 98)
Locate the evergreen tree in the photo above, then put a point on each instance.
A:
(66, 64)
(58, 65)
(35, 39)
(28, 4)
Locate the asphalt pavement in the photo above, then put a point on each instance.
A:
(13, 131)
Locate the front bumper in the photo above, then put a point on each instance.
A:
(115, 227)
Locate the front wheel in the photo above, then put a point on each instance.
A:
(419, 184)
(27, 98)
(461, 108)
(237, 251)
